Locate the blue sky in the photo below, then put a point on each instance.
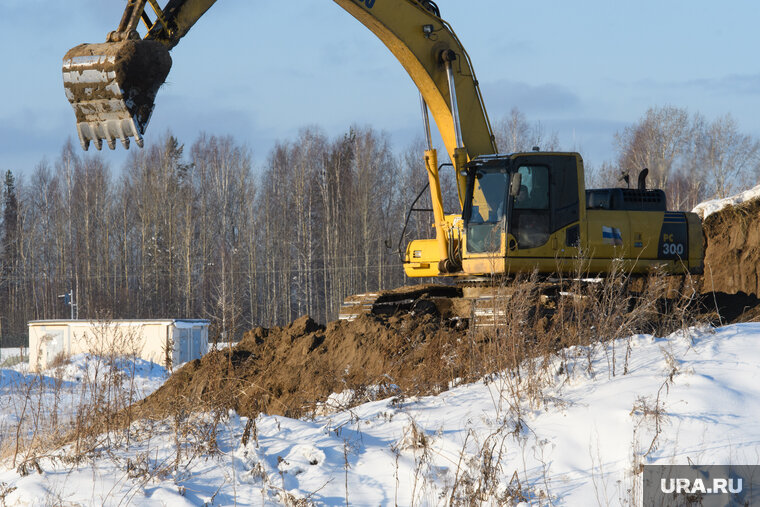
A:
(261, 69)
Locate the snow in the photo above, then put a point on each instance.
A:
(9, 352)
(577, 441)
(707, 208)
(189, 323)
(57, 392)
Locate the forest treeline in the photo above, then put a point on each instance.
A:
(194, 232)
(190, 232)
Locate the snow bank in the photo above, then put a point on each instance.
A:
(57, 392)
(707, 208)
(686, 397)
(9, 352)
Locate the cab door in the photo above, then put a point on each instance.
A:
(544, 221)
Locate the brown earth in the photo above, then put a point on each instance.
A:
(732, 254)
(289, 370)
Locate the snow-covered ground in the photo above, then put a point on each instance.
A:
(707, 208)
(8, 352)
(688, 397)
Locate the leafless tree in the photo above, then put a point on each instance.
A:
(687, 156)
(515, 133)
(727, 157)
(658, 142)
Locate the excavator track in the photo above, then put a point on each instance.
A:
(357, 304)
(480, 303)
(483, 304)
(489, 310)
(416, 298)
(490, 302)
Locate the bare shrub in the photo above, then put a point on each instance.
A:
(60, 360)
(52, 412)
(5, 490)
(480, 478)
(12, 361)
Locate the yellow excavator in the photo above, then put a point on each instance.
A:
(520, 212)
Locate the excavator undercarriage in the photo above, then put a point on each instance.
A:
(478, 304)
(490, 304)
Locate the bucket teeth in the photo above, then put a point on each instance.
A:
(112, 88)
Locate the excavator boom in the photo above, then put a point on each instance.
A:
(112, 86)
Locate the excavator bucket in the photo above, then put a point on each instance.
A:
(112, 88)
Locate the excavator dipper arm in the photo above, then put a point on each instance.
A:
(112, 86)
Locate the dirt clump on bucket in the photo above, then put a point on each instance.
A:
(138, 67)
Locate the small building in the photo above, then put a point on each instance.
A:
(164, 341)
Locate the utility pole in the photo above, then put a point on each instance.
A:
(68, 299)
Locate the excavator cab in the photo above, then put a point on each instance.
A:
(517, 202)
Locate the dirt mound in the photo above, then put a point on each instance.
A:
(721, 308)
(287, 370)
(290, 370)
(732, 254)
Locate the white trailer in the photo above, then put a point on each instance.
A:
(168, 342)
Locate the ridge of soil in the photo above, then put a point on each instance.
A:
(732, 249)
(289, 370)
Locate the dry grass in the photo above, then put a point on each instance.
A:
(541, 341)
(575, 324)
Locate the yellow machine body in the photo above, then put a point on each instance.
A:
(556, 233)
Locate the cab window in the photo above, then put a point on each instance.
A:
(485, 215)
(489, 197)
(531, 220)
(534, 190)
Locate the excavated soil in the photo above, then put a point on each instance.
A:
(732, 254)
(290, 370)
